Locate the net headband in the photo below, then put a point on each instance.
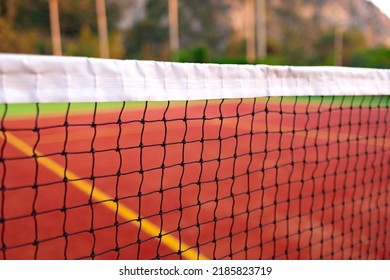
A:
(45, 79)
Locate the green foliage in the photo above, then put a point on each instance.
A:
(205, 34)
(146, 40)
(21, 34)
(202, 24)
(86, 44)
(13, 41)
(28, 16)
(25, 27)
(373, 58)
(149, 38)
(76, 14)
(324, 49)
(353, 42)
(197, 54)
(117, 49)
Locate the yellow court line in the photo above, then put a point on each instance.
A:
(125, 212)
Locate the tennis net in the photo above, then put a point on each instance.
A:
(106, 159)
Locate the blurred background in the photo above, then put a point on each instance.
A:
(285, 32)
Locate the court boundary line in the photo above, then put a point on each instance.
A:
(123, 211)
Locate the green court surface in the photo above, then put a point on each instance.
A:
(24, 110)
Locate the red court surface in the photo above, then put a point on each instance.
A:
(290, 185)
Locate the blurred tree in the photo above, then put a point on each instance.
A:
(205, 34)
(197, 54)
(353, 42)
(7, 9)
(324, 49)
(25, 27)
(87, 44)
(373, 58)
(32, 17)
(291, 35)
(15, 36)
(148, 39)
(200, 24)
(12, 41)
(79, 28)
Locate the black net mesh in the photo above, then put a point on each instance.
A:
(265, 178)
